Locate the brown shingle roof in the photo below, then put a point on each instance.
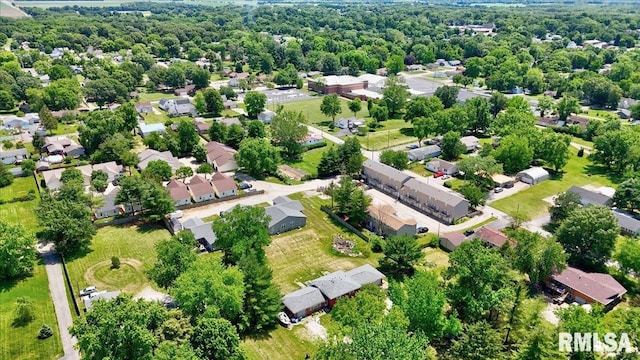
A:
(603, 288)
(222, 182)
(493, 237)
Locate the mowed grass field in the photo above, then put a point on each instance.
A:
(281, 344)
(530, 201)
(21, 342)
(133, 245)
(310, 159)
(20, 187)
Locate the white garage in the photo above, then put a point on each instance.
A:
(533, 175)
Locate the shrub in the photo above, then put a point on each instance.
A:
(115, 263)
(581, 152)
(377, 243)
(316, 145)
(45, 332)
(447, 184)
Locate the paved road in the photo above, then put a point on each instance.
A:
(60, 303)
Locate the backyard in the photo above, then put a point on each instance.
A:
(20, 342)
(530, 202)
(280, 343)
(310, 160)
(133, 245)
(19, 212)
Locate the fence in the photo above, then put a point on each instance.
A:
(118, 221)
(327, 210)
(66, 276)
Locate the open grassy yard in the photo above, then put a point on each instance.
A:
(64, 129)
(311, 109)
(392, 133)
(435, 259)
(20, 213)
(302, 255)
(20, 187)
(21, 342)
(133, 245)
(280, 344)
(310, 160)
(154, 96)
(530, 201)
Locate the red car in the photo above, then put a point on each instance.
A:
(438, 174)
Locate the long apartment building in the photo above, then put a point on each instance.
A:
(443, 205)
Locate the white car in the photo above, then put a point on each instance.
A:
(88, 291)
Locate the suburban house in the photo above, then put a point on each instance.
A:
(21, 122)
(451, 241)
(628, 224)
(334, 84)
(286, 215)
(266, 116)
(202, 232)
(223, 185)
(311, 139)
(52, 177)
(493, 238)
(15, 156)
(425, 152)
(144, 107)
(202, 127)
(471, 142)
(532, 175)
(588, 288)
(229, 121)
(336, 285)
(201, 189)
(179, 192)
(434, 201)
(304, 302)
(149, 155)
(221, 157)
(102, 295)
(109, 208)
(187, 90)
(61, 145)
(447, 167)
(178, 107)
(383, 220)
(366, 274)
(148, 129)
(590, 197)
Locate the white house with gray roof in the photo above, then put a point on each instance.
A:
(589, 197)
(202, 232)
(15, 156)
(366, 274)
(424, 152)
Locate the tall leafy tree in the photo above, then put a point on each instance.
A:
(395, 95)
(187, 136)
(6, 178)
(262, 300)
(48, 121)
(175, 256)
(367, 306)
(351, 201)
(397, 159)
(355, 105)
(156, 202)
(401, 255)
(159, 170)
(288, 131)
(258, 157)
(627, 195)
(555, 149)
(567, 106)
(479, 341)
(615, 149)
(563, 205)
(537, 256)
(589, 235)
(628, 255)
(478, 114)
(254, 102)
(331, 106)
(422, 107)
(514, 153)
(451, 146)
(423, 127)
(17, 253)
(448, 95)
(242, 232)
(497, 103)
(216, 339)
(480, 169)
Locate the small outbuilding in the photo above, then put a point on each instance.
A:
(533, 175)
(451, 241)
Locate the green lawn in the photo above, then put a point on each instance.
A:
(153, 118)
(302, 255)
(311, 109)
(310, 160)
(582, 142)
(392, 133)
(601, 114)
(280, 344)
(133, 245)
(418, 168)
(20, 342)
(20, 213)
(530, 201)
(20, 187)
(154, 96)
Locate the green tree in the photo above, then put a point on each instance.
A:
(174, 77)
(545, 104)
(422, 107)
(242, 232)
(395, 64)
(448, 95)
(555, 149)
(208, 285)
(401, 255)
(395, 95)
(159, 170)
(25, 311)
(6, 178)
(563, 205)
(589, 235)
(423, 127)
(205, 168)
(99, 180)
(331, 106)
(262, 300)
(258, 157)
(351, 201)
(254, 101)
(534, 81)
(355, 105)
(628, 255)
(175, 256)
(235, 135)
(156, 201)
(478, 281)
(330, 163)
(288, 130)
(479, 341)
(105, 91)
(218, 131)
(213, 101)
(497, 103)
(48, 121)
(28, 166)
(216, 339)
(199, 153)
(451, 146)
(397, 159)
(474, 194)
(537, 256)
(614, 150)
(567, 106)
(6, 101)
(200, 78)
(187, 136)
(367, 306)
(379, 113)
(514, 153)
(256, 129)
(17, 253)
(479, 170)
(473, 67)
(478, 114)
(170, 350)
(627, 195)
(424, 55)
(62, 94)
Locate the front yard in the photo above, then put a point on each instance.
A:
(310, 160)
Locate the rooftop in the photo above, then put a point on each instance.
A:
(300, 300)
(603, 288)
(335, 284)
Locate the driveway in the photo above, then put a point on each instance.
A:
(60, 303)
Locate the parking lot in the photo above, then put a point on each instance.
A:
(428, 88)
(276, 96)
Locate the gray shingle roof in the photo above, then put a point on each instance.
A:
(385, 170)
(365, 274)
(591, 196)
(15, 152)
(627, 221)
(335, 284)
(424, 151)
(446, 197)
(305, 298)
(280, 212)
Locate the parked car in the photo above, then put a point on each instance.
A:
(245, 186)
(445, 176)
(88, 291)
(412, 146)
(284, 319)
(508, 185)
(468, 232)
(422, 230)
(498, 190)
(438, 174)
